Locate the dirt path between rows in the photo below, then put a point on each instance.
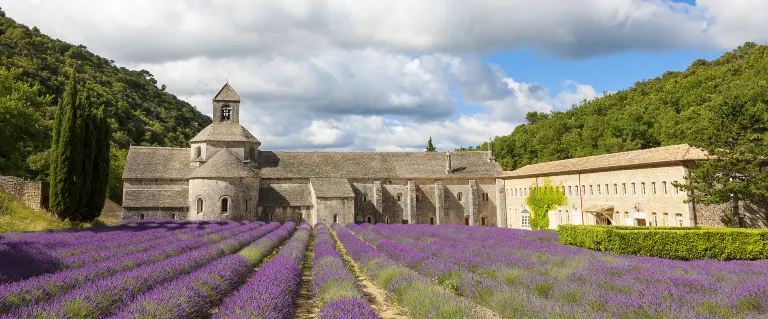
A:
(306, 305)
(376, 296)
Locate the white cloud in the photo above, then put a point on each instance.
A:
(379, 75)
(156, 31)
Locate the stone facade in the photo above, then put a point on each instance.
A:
(224, 175)
(32, 193)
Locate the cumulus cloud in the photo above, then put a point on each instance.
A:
(156, 31)
(379, 75)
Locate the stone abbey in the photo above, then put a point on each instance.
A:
(225, 175)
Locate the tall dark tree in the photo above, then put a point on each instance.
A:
(87, 129)
(101, 165)
(66, 162)
(735, 134)
(430, 147)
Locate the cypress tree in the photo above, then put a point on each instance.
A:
(65, 160)
(86, 124)
(430, 147)
(100, 167)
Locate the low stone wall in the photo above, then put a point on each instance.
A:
(752, 215)
(32, 193)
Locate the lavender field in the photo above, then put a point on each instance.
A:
(184, 269)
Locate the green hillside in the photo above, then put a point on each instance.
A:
(32, 78)
(663, 111)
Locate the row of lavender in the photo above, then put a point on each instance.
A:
(97, 298)
(420, 296)
(335, 287)
(45, 252)
(517, 274)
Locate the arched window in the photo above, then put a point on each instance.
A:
(665, 220)
(335, 218)
(172, 216)
(199, 205)
(399, 197)
(459, 196)
(225, 113)
(299, 217)
(431, 220)
(365, 197)
(386, 220)
(679, 220)
(224, 205)
(483, 221)
(141, 216)
(368, 219)
(466, 220)
(655, 219)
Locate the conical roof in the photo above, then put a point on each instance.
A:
(227, 94)
(223, 164)
(225, 132)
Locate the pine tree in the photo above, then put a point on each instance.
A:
(430, 147)
(65, 158)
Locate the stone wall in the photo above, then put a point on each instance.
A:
(752, 215)
(153, 212)
(32, 193)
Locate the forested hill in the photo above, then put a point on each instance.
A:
(33, 73)
(663, 111)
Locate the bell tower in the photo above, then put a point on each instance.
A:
(226, 106)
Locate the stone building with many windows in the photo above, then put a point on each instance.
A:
(225, 175)
(628, 188)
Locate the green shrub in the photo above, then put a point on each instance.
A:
(685, 243)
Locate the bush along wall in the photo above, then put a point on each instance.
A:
(671, 243)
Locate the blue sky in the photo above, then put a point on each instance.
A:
(386, 75)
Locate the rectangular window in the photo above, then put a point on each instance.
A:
(642, 186)
(591, 190)
(524, 222)
(567, 217)
(665, 220)
(570, 191)
(653, 187)
(583, 190)
(598, 189)
(676, 190)
(563, 190)
(634, 190)
(624, 188)
(618, 219)
(665, 187)
(607, 192)
(615, 189)
(679, 220)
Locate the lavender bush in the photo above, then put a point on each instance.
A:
(334, 286)
(100, 298)
(194, 295)
(44, 287)
(271, 292)
(422, 298)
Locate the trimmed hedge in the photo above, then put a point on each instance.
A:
(684, 243)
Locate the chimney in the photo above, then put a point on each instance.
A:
(490, 151)
(448, 168)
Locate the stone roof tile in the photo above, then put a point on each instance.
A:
(285, 195)
(161, 198)
(157, 162)
(651, 156)
(223, 164)
(303, 164)
(331, 187)
(225, 132)
(227, 93)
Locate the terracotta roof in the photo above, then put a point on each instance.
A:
(223, 164)
(155, 198)
(285, 195)
(289, 164)
(157, 162)
(227, 94)
(652, 156)
(331, 187)
(225, 131)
